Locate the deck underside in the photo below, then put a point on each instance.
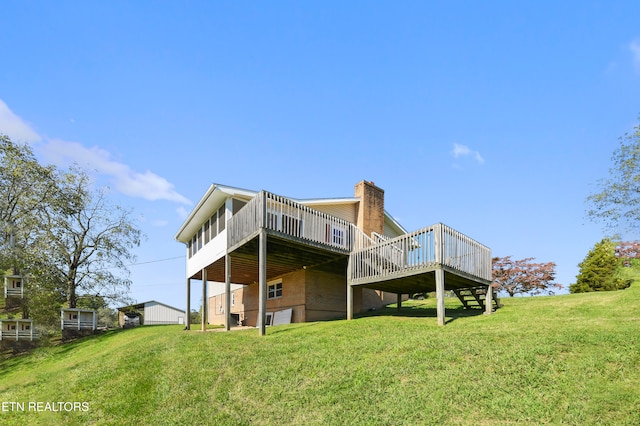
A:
(285, 255)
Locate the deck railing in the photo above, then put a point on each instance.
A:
(419, 250)
(465, 254)
(78, 325)
(19, 334)
(293, 219)
(13, 292)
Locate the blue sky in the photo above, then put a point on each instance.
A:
(496, 118)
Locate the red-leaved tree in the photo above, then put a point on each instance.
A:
(627, 250)
(523, 276)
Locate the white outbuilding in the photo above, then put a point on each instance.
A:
(150, 313)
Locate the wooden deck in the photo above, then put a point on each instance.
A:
(407, 264)
(273, 235)
(286, 219)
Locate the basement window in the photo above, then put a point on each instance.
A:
(274, 291)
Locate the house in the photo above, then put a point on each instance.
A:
(17, 329)
(13, 286)
(78, 319)
(150, 313)
(320, 258)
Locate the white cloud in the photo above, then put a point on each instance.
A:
(634, 47)
(464, 151)
(14, 127)
(146, 185)
(460, 150)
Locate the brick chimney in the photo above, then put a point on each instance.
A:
(371, 207)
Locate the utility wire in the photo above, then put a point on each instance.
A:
(155, 261)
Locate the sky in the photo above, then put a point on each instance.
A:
(496, 118)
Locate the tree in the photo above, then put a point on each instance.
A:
(26, 190)
(523, 276)
(86, 239)
(627, 250)
(598, 270)
(618, 202)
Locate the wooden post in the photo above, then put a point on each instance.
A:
(440, 295)
(204, 299)
(227, 291)
(188, 319)
(62, 319)
(262, 281)
(399, 302)
(488, 301)
(349, 291)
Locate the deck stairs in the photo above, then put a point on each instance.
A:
(475, 297)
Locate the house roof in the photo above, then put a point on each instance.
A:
(141, 306)
(216, 194)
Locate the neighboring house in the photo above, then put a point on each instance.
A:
(78, 319)
(14, 286)
(17, 329)
(266, 257)
(150, 313)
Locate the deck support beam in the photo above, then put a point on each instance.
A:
(227, 291)
(399, 302)
(205, 312)
(349, 291)
(188, 319)
(262, 281)
(440, 295)
(488, 300)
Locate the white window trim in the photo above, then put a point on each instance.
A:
(274, 284)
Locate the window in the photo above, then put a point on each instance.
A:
(237, 205)
(233, 299)
(194, 245)
(337, 235)
(214, 225)
(206, 232)
(274, 291)
(221, 221)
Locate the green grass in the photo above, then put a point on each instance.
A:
(570, 359)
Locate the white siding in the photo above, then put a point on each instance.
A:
(156, 313)
(343, 211)
(209, 253)
(390, 230)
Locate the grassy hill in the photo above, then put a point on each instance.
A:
(570, 359)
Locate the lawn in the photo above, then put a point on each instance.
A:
(570, 359)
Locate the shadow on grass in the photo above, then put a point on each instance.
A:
(415, 311)
(419, 311)
(35, 355)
